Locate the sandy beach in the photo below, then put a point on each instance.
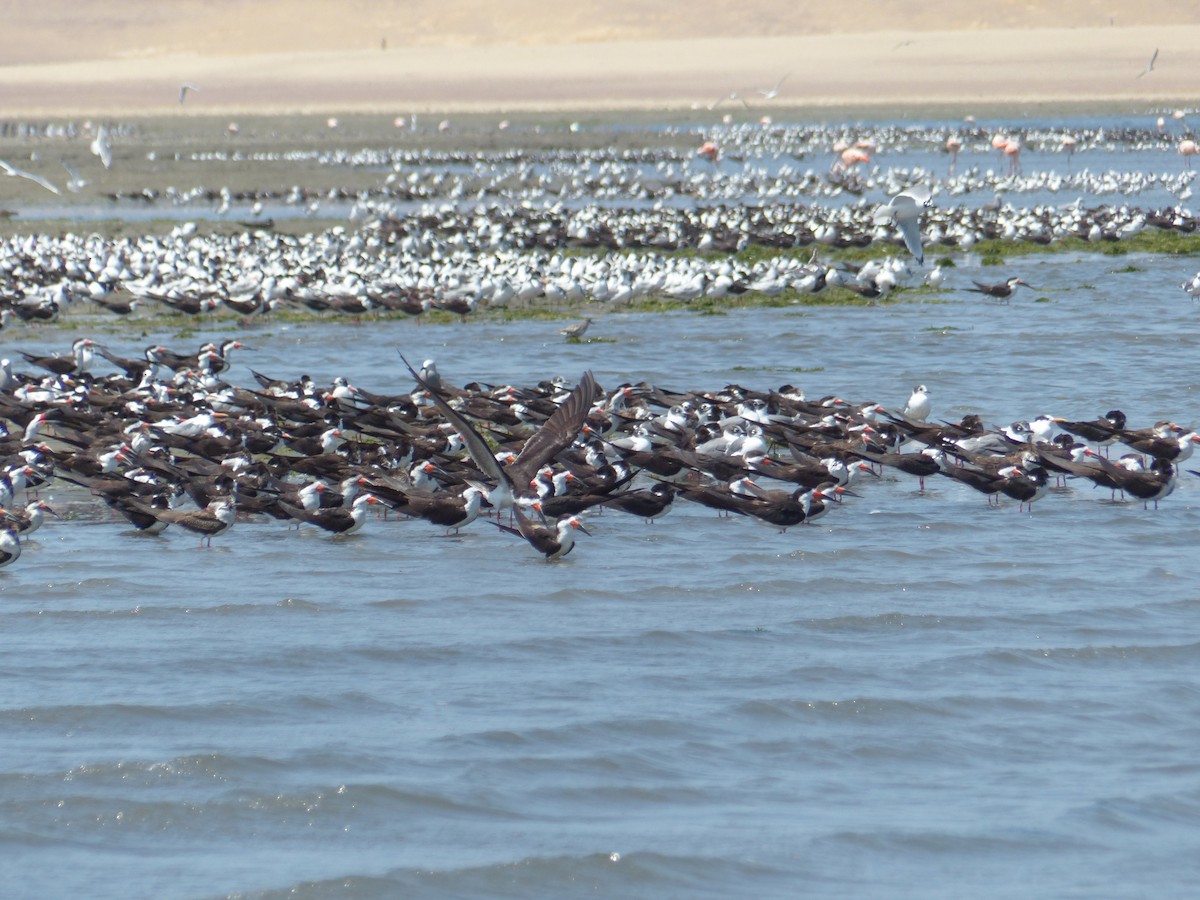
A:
(80, 60)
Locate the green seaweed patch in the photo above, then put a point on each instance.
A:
(946, 262)
(992, 259)
(940, 329)
(1129, 268)
(1043, 300)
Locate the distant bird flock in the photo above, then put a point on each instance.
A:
(162, 440)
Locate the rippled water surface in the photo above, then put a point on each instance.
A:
(920, 696)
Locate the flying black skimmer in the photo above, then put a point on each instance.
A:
(552, 543)
(556, 434)
(1002, 291)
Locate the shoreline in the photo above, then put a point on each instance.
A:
(893, 72)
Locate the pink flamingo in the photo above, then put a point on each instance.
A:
(999, 142)
(710, 151)
(853, 156)
(953, 145)
(1188, 149)
(1068, 144)
(1012, 149)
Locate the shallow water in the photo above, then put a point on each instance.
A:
(920, 696)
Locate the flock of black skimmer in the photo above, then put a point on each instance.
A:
(163, 440)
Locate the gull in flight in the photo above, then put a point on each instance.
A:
(21, 173)
(184, 88)
(904, 211)
(1150, 65)
(773, 92)
(102, 148)
(74, 182)
(732, 95)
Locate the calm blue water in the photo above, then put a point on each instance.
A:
(918, 697)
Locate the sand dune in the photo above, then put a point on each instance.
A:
(93, 58)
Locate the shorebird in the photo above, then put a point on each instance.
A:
(904, 211)
(184, 88)
(556, 434)
(1002, 291)
(575, 331)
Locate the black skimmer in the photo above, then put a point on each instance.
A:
(215, 519)
(1146, 485)
(1168, 448)
(556, 434)
(552, 543)
(135, 512)
(1024, 487)
(1002, 291)
(337, 519)
(1102, 431)
(923, 464)
(648, 504)
(450, 511)
(30, 519)
(10, 543)
(78, 361)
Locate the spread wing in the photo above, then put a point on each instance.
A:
(476, 446)
(910, 229)
(558, 432)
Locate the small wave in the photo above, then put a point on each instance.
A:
(608, 873)
(116, 715)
